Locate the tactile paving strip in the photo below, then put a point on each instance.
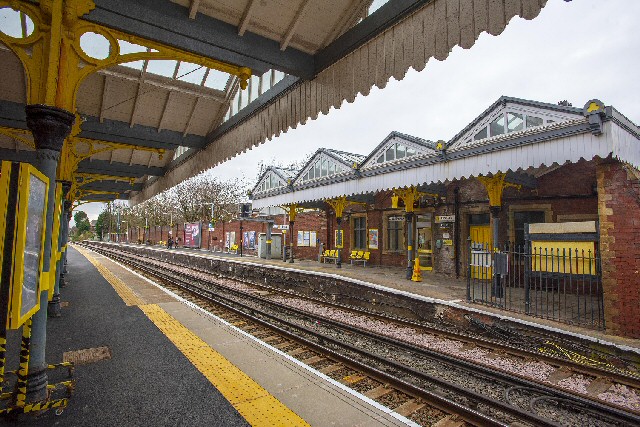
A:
(127, 295)
(252, 401)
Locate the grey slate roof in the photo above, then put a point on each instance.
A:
(346, 158)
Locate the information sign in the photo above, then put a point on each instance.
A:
(445, 218)
(339, 239)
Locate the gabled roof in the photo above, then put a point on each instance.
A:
(347, 158)
(342, 158)
(285, 174)
(423, 146)
(555, 111)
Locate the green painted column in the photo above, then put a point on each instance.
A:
(50, 126)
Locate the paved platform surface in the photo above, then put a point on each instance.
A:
(174, 365)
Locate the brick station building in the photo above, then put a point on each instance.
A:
(519, 162)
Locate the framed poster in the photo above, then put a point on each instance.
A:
(339, 239)
(373, 238)
(33, 195)
(192, 235)
(313, 238)
(5, 172)
(249, 239)
(55, 239)
(300, 238)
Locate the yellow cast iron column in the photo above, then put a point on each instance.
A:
(338, 206)
(495, 186)
(292, 209)
(409, 196)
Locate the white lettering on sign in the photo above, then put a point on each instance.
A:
(445, 218)
(396, 218)
(281, 227)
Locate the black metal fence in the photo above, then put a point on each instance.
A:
(558, 283)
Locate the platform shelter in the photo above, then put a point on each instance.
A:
(535, 203)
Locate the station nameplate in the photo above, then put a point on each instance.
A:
(445, 218)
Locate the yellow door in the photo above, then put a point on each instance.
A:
(425, 251)
(480, 255)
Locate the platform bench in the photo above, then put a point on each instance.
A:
(362, 256)
(329, 255)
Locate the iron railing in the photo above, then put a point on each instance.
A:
(562, 284)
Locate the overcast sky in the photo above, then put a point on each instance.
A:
(576, 50)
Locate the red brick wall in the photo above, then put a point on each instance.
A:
(619, 211)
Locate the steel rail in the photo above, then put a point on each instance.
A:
(547, 393)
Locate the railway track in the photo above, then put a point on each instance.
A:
(407, 375)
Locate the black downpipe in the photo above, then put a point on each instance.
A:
(456, 230)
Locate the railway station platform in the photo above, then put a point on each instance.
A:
(153, 359)
(448, 290)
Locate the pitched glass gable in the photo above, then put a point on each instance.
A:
(513, 117)
(269, 182)
(396, 151)
(322, 167)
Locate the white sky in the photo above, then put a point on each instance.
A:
(576, 50)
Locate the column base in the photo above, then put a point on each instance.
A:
(409, 273)
(53, 308)
(37, 386)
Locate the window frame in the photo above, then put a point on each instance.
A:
(359, 229)
(400, 230)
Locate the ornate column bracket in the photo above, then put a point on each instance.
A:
(340, 204)
(292, 210)
(408, 196)
(21, 135)
(56, 63)
(495, 186)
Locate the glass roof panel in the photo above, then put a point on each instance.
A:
(126, 47)
(136, 65)
(217, 79)
(10, 23)
(191, 73)
(162, 67)
(95, 45)
(376, 4)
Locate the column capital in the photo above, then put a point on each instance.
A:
(49, 125)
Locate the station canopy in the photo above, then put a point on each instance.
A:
(173, 88)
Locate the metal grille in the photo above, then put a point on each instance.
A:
(562, 284)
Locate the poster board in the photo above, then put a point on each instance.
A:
(5, 172)
(192, 235)
(313, 239)
(249, 239)
(304, 238)
(56, 254)
(373, 238)
(28, 259)
(339, 242)
(229, 239)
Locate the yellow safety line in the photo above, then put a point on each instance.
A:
(127, 295)
(252, 401)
